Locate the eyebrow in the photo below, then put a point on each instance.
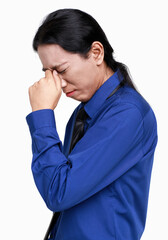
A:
(53, 68)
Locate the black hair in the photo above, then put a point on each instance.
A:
(75, 31)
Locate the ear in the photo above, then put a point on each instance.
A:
(97, 51)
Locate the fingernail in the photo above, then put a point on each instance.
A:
(55, 72)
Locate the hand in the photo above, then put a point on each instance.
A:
(45, 93)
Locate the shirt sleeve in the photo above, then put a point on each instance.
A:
(108, 149)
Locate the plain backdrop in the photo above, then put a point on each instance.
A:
(137, 31)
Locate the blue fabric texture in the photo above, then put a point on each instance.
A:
(101, 188)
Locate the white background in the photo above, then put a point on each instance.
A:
(137, 30)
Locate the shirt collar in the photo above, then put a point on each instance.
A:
(100, 96)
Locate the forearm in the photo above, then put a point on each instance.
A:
(49, 164)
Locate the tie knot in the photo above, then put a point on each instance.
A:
(81, 115)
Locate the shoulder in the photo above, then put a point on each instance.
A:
(128, 98)
(129, 105)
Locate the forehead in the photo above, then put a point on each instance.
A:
(53, 54)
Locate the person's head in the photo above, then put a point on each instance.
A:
(75, 37)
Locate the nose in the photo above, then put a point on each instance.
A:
(63, 83)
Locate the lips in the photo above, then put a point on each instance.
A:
(70, 91)
(68, 94)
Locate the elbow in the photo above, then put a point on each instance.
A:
(58, 199)
(58, 206)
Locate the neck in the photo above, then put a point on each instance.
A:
(106, 73)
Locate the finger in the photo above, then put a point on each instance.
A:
(57, 79)
(48, 74)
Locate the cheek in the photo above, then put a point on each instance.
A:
(74, 76)
(90, 79)
(88, 73)
(83, 76)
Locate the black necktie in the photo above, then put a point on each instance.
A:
(78, 133)
(78, 130)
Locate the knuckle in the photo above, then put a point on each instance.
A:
(41, 80)
(34, 84)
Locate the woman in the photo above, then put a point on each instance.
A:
(97, 182)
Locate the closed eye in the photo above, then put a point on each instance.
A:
(61, 71)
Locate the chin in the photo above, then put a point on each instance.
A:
(81, 99)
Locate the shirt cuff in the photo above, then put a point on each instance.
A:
(40, 118)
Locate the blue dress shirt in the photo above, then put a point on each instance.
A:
(101, 188)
